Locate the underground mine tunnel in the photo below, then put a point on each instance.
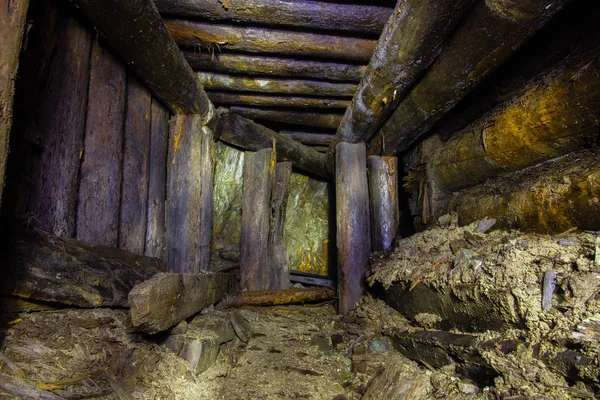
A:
(300, 199)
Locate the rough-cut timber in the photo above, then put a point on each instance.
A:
(242, 132)
(280, 278)
(159, 135)
(273, 66)
(310, 138)
(60, 119)
(400, 380)
(255, 266)
(186, 202)
(306, 14)
(100, 180)
(23, 390)
(12, 24)
(353, 227)
(167, 299)
(314, 119)
(488, 35)
(262, 100)
(278, 297)
(213, 81)
(136, 31)
(207, 169)
(136, 152)
(214, 37)
(410, 42)
(383, 191)
(67, 271)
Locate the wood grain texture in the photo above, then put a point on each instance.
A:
(278, 297)
(280, 278)
(383, 192)
(310, 138)
(306, 118)
(223, 98)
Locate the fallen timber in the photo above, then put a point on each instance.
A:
(248, 99)
(278, 297)
(307, 118)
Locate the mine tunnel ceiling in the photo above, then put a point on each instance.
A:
(292, 66)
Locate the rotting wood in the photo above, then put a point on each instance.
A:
(309, 138)
(255, 266)
(400, 380)
(280, 277)
(207, 169)
(67, 271)
(262, 100)
(136, 153)
(353, 226)
(489, 34)
(411, 40)
(100, 176)
(316, 15)
(135, 29)
(228, 63)
(308, 87)
(383, 200)
(242, 132)
(314, 119)
(167, 299)
(24, 390)
(278, 297)
(205, 36)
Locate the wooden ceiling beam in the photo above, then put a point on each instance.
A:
(317, 120)
(310, 138)
(262, 100)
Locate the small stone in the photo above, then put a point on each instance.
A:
(458, 244)
(380, 345)
(241, 326)
(485, 225)
(201, 352)
(467, 387)
(180, 328)
(597, 259)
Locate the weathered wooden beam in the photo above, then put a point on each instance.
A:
(412, 39)
(242, 132)
(278, 297)
(490, 33)
(274, 85)
(255, 265)
(167, 299)
(273, 66)
(50, 268)
(210, 37)
(353, 226)
(135, 29)
(262, 100)
(24, 390)
(383, 200)
(280, 267)
(309, 138)
(318, 120)
(307, 14)
(100, 176)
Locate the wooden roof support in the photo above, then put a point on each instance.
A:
(309, 138)
(215, 37)
(248, 135)
(135, 29)
(410, 42)
(306, 14)
(249, 99)
(318, 120)
(490, 33)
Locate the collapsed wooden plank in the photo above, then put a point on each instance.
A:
(262, 100)
(306, 14)
(489, 34)
(135, 29)
(383, 200)
(278, 297)
(307, 118)
(244, 133)
(207, 36)
(50, 268)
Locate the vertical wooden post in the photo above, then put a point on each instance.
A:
(280, 275)
(383, 191)
(136, 151)
(207, 167)
(352, 215)
(100, 181)
(155, 229)
(255, 268)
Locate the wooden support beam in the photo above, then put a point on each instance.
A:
(205, 36)
(242, 132)
(383, 191)
(255, 265)
(279, 297)
(309, 138)
(318, 120)
(275, 85)
(135, 29)
(412, 39)
(273, 66)
(307, 14)
(262, 100)
(280, 267)
(353, 226)
(490, 33)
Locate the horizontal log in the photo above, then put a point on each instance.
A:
(320, 149)
(278, 297)
(306, 14)
(248, 99)
(207, 36)
(135, 29)
(48, 268)
(212, 81)
(273, 66)
(311, 139)
(490, 33)
(244, 133)
(318, 120)
(23, 390)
